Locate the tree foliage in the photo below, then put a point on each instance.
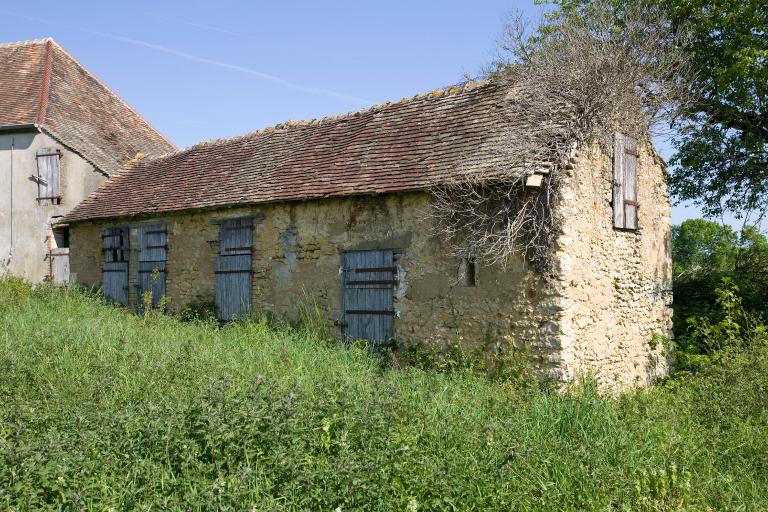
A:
(567, 90)
(721, 159)
(728, 327)
(722, 152)
(702, 247)
(704, 253)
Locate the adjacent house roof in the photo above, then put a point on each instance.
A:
(406, 145)
(41, 84)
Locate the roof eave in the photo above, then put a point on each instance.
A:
(143, 215)
(7, 128)
(27, 127)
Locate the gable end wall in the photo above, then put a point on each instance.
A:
(615, 286)
(30, 246)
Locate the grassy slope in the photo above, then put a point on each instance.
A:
(100, 408)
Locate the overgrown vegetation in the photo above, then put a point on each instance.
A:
(721, 140)
(720, 289)
(103, 409)
(573, 82)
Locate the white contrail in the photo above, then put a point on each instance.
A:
(197, 25)
(233, 67)
(195, 58)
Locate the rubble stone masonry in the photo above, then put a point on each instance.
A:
(614, 286)
(598, 314)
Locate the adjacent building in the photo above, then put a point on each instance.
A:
(334, 212)
(62, 133)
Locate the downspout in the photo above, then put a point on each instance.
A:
(10, 247)
(50, 251)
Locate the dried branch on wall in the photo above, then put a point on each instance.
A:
(571, 84)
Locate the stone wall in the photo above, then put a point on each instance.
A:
(85, 255)
(614, 286)
(297, 250)
(609, 295)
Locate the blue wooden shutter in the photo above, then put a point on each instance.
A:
(233, 269)
(368, 281)
(115, 270)
(153, 249)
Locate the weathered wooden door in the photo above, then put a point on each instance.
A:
(59, 265)
(153, 249)
(115, 270)
(233, 269)
(368, 280)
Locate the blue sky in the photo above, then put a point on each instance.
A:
(201, 70)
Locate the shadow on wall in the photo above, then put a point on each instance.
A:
(20, 141)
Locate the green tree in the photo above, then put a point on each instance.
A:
(721, 160)
(703, 253)
(701, 247)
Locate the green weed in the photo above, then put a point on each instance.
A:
(102, 409)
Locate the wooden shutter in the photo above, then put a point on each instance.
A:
(153, 250)
(48, 176)
(233, 269)
(368, 282)
(625, 203)
(115, 269)
(59, 265)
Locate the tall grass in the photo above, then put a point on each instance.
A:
(102, 409)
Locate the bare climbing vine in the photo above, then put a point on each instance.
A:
(574, 82)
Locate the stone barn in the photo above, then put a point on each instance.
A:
(335, 212)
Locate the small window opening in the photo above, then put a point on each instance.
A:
(61, 237)
(121, 252)
(468, 271)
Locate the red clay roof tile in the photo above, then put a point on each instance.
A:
(40, 83)
(395, 147)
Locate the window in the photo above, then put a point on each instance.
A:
(625, 205)
(468, 272)
(48, 176)
(60, 237)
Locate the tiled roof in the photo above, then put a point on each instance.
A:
(40, 83)
(400, 146)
